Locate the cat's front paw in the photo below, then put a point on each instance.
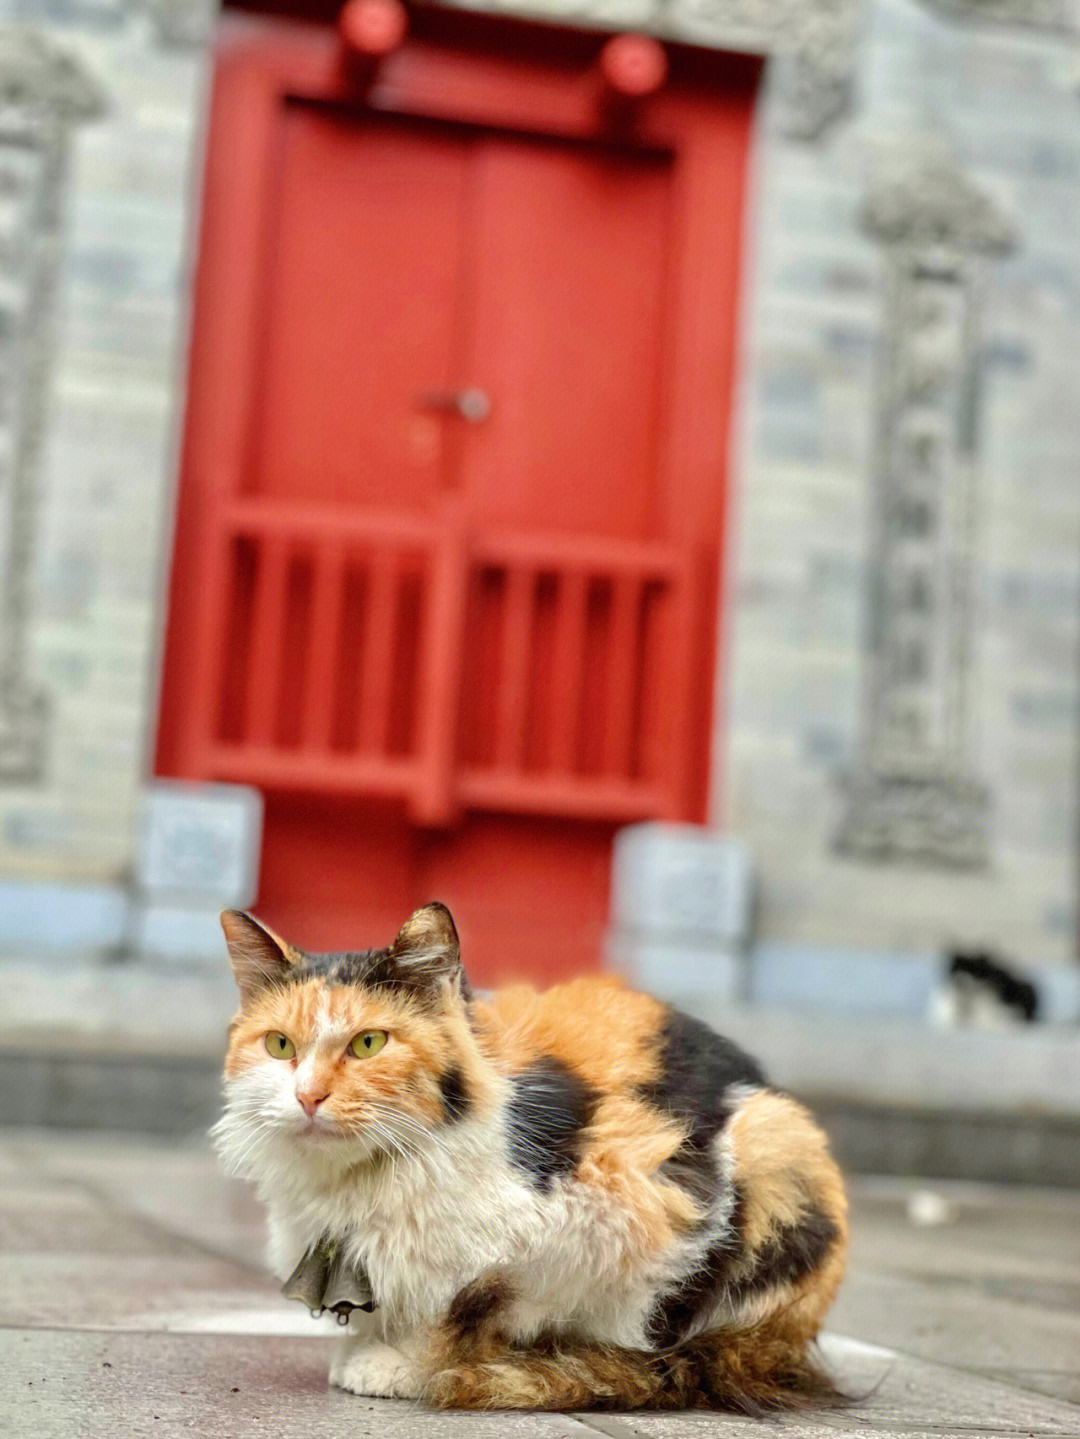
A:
(375, 1370)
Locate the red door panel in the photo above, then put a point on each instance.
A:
(570, 342)
(456, 651)
(362, 283)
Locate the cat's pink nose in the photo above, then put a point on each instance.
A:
(309, 1100)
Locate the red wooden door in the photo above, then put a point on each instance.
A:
(451, 508)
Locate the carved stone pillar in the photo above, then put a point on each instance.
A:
(42, 96)
(913, 792)
(1062, 15)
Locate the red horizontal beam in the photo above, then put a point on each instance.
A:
(577, 796)
(580, 553)
(310, 771)
(346, 775)
(573, 553)
(249, 516)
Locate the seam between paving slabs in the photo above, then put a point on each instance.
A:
(607, 1425)
(149, 1224)
(917, 1429)
(986, 1376)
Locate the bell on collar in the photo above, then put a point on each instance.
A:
(325, 1279)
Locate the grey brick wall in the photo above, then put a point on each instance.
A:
(1000, 104)
(103, 478)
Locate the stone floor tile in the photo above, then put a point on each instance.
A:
(136, 1303)
(908, 1394)
(57, 1385)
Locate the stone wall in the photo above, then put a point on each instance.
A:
(899, 716)
(99, 130)
(897, 735)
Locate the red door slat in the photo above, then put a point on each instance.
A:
(621, 680)
(378, 651)
(325, 646)
(267, 641)
(567, 680)
(434, 800)
(514, 668)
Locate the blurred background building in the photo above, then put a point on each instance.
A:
(442, 436)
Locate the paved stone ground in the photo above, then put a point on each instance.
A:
(132, 1303)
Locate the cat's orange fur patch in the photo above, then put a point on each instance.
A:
(783, 1168)
(782, 1164)
(623, 1146)
(611, 1037)
(607, 1034)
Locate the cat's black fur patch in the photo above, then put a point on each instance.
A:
(456, 1100)
(352, 968)
(697, 1068)
(982, 971)
(791, 1252)
(548, 1109)
(693, 1168)
(477, 1302)
(361, 968)
(674, 1312)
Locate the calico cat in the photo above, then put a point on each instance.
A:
(562, 1200)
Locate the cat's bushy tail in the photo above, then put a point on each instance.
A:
(718, 1371)
(754, 1370)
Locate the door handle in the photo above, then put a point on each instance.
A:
(472, 404)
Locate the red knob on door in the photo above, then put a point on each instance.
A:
(633, 66)
(372, 28)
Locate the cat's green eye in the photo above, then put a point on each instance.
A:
(279, 1046)
(368, 1043)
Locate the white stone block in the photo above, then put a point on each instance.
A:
(682, 882)
(181, 934)
(199, 843)
(681, 974)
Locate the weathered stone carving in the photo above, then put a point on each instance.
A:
(182, 22)
(932, 205)
(911, 793)
(813, 41)
(43, 95)
(1043, 14)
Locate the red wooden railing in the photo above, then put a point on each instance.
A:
(374, 653)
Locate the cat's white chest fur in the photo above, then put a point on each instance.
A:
(433, 1222)
(417, 1225)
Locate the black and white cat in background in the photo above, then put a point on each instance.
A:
(977, 989)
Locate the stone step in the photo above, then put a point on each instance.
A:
(128, 1047)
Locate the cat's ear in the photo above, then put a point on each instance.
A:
(259, 957)
(427, 951)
